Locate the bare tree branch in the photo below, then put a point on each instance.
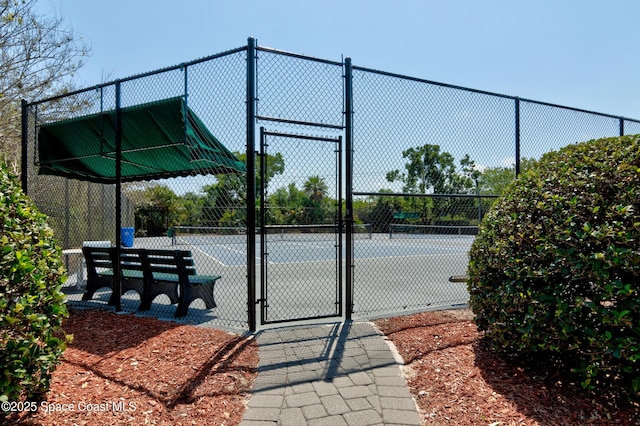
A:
(39, 56)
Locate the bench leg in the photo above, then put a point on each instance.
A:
(127, 284)
(181, 310)
(145, 303)
(95, 285)
(157, 288)
(88, 294)
(112, 299)
(192, 292)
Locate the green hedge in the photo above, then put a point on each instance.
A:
(31, 303)
(554, 272)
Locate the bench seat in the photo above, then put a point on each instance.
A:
(151, 273)
(99, 261)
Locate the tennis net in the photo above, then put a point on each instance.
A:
(426, 231)
(195, 235)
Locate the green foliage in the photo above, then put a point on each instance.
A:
(494, 180)
(31, 304)
(292, 206)
(157, 209)
(286, 206)
(428, 170)
(428, 167)
(225, 201)
(377, 211)
(554, 273)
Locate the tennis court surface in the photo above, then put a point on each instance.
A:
(296, 244)
(301, 272)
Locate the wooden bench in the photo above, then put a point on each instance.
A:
(168, 269)
(150, 272)
(99, 261)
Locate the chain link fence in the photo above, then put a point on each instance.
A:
(369, 186)
(419, 153)
(429, 159)
(84, 213)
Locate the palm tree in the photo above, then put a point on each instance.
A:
(316, 188)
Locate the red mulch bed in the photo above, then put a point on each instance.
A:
(457, 380)
(125, 369)
(182, 375)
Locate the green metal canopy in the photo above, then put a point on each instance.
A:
(159, 140)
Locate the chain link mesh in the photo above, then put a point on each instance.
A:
(545, 128)
(631, 127)
(84, 213)
(429, 160)
(292, 91)
(414, 142)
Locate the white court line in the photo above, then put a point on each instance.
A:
(243, 252)
(209, 256)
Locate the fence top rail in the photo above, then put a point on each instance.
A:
(298, 55)
(310, 58)
(601, 114)
(141, 75)
(435, 83)
(484, 92)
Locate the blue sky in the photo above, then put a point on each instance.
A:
(579, 53)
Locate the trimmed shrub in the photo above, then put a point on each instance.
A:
(31, 302)
(554, 273)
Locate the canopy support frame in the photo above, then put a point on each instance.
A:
(117, 285)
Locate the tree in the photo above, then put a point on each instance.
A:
(378, 211)
(318, 208)
(316, 188)
(470, 179)
(192, 205)
(427, 169)
(226, 200)
(495, 179)
(471, 174)
(39, 58)
(157, 208)
(286, 206)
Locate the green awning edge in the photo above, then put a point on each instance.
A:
(160, 139)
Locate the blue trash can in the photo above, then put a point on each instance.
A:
(126, 237)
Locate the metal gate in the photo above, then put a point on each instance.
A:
(300, 250)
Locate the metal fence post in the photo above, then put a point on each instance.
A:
(348, 75)
(117, 285)
(517, 131)
(251, 184)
